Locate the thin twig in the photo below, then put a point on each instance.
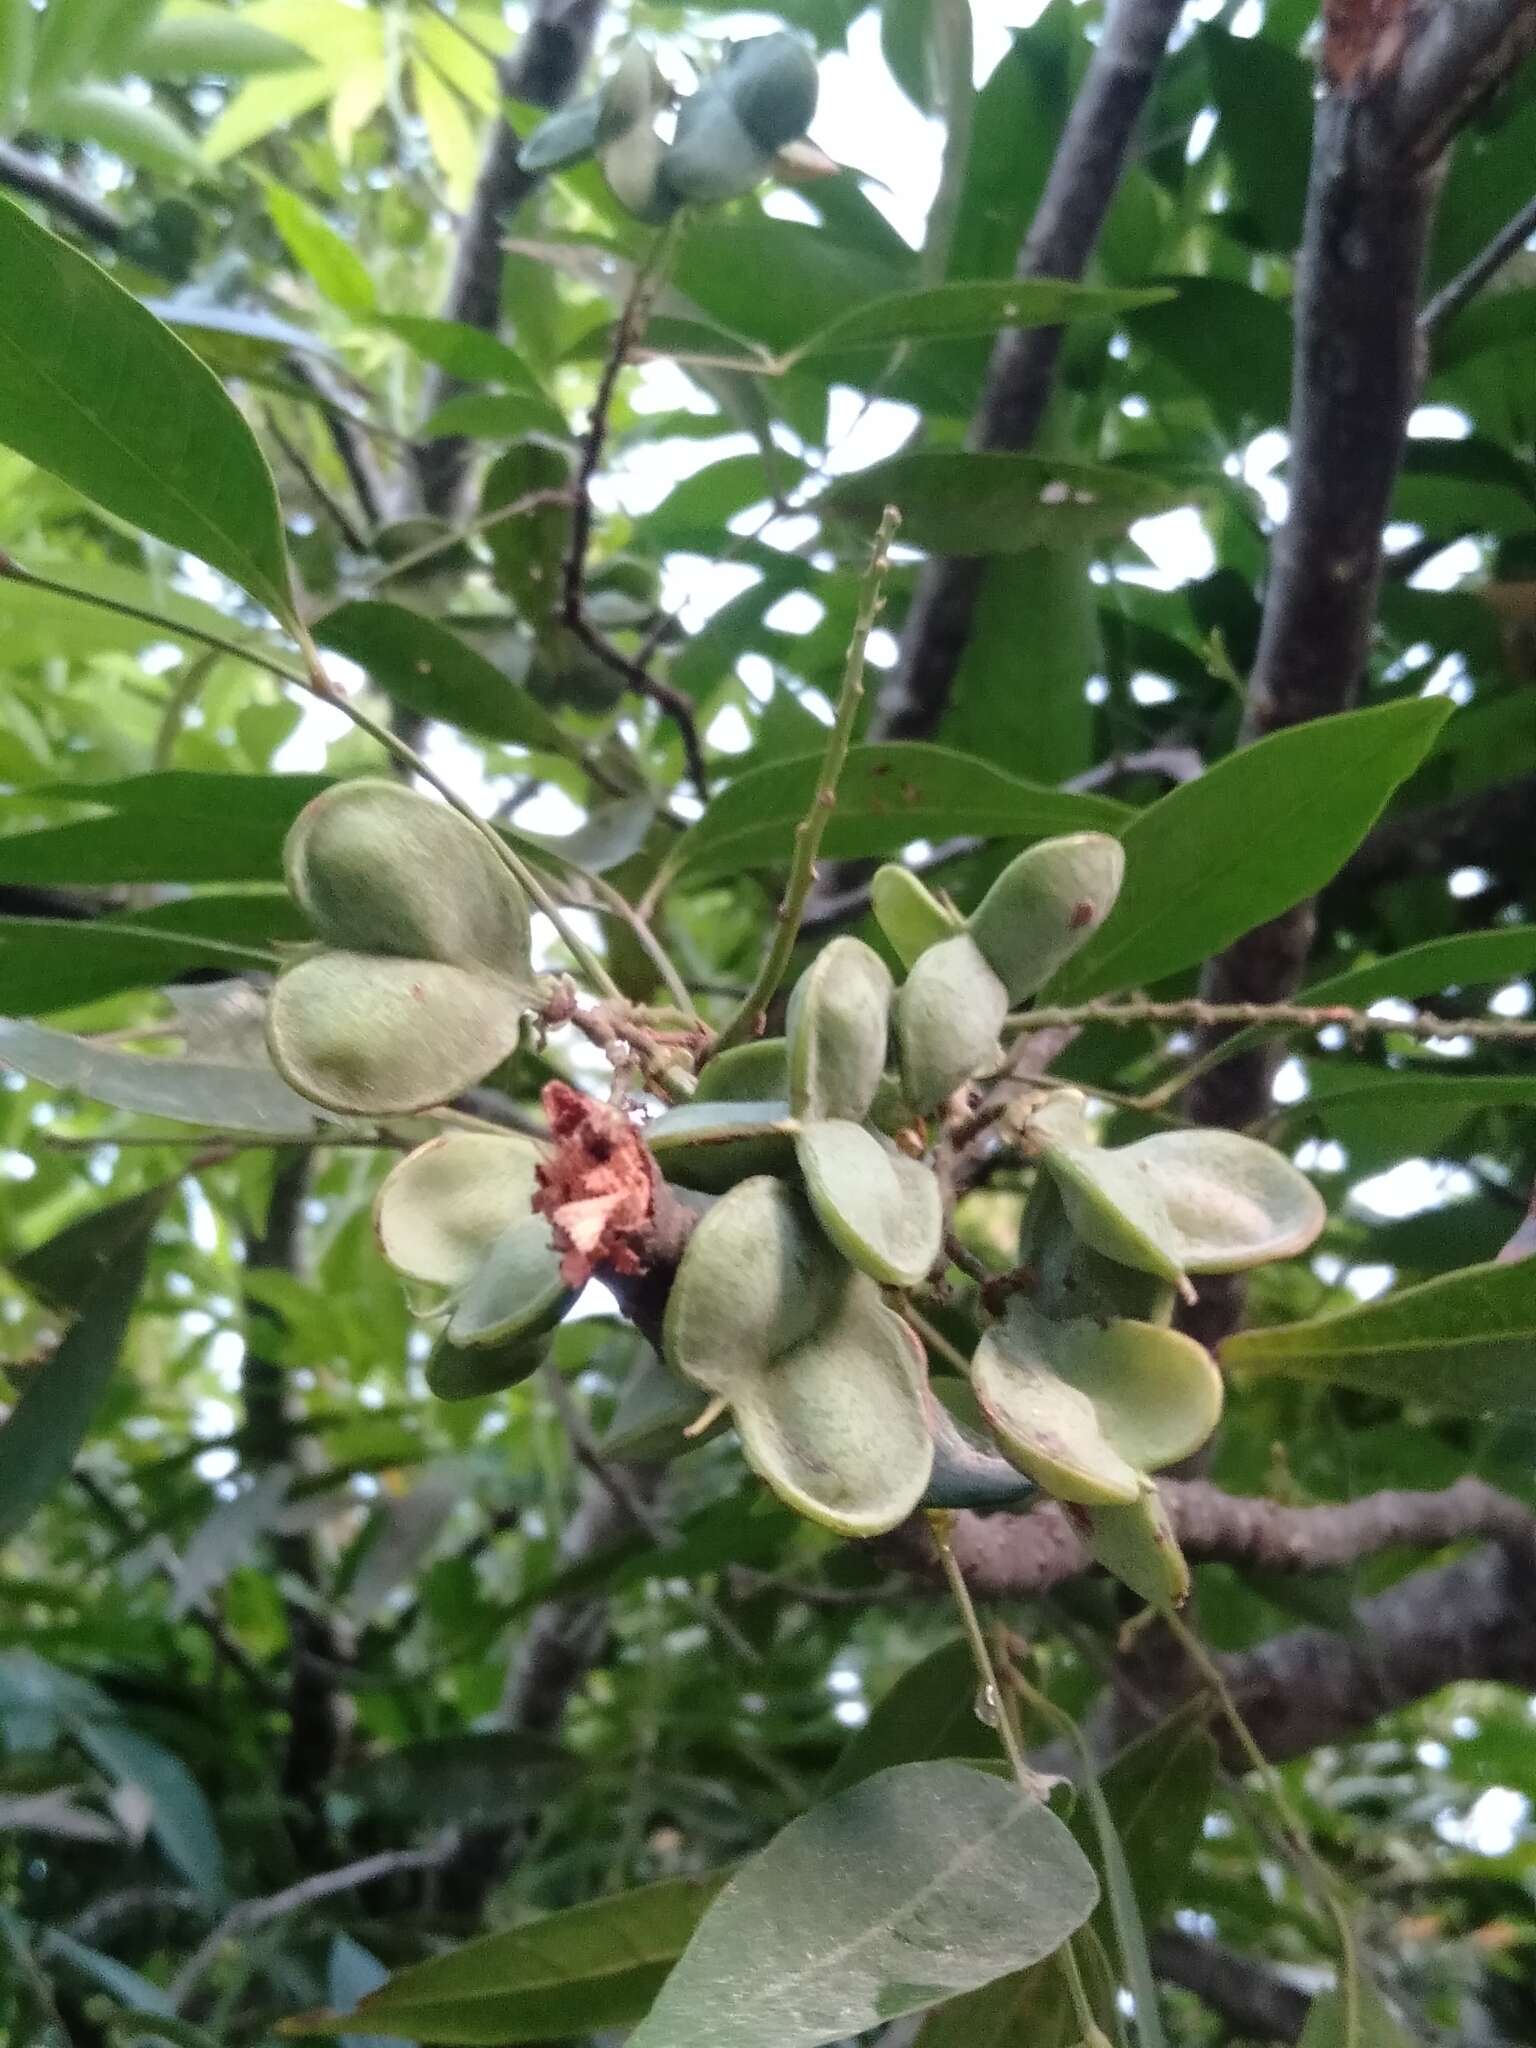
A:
(1282, 1017)
(1030, 1783)
(573, 612)
(1449, 300)
(325, 1884)
(747, 1021)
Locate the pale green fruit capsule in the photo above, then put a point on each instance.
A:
(379, 869)
(367, 1035)
(837, 1027)
(1086, 1408)
(444, 1205)
(773, 86)
(910, 915)
(882, 1210)
(1045, 905)
(949, 1012)
(1136, 1542)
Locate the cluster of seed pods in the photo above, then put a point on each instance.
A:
(809, 1162)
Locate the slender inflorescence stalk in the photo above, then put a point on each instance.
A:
(808, 833)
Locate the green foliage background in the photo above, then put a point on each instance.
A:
(263, 1629)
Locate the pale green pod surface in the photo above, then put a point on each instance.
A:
(1072, 1279)
(836, 1424)
(773, 86)
(633, 94)
(1120, 1214)
(444, 1205)
(757, 1279)
(910, 915)
(1138, 1545)
(714, 158)
(881, 1209)
(1045, 905)
(966, 1474)
(380, 869)
(370, 1036)
(949, 1012)
(564, 139)
(515, 1291)
(838, 1026)
(456, 1374)
(1086, 1408)
(1199, 1201)
(1232, 1202)
(746, 1073)
(632, 167)
(713, 1145)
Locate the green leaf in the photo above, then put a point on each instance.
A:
(224, 1097)
(1263, 95)
(55, 963)
(142, 135)
(929, 1712)
(1231, 342)
(464, 352)
(425, 667)
(493, 416)
(926, 1880)
(1460, 962)
(47, 1426)
(1329, 2021)
(1465, 1343)
(1036, 623)
(889, 795)
(179, 1815)
(1259, 832)
(177, 826)
(209, 42)
(63, 1269)
(129, 1987)
(569, 1973)
(948, 312)
(95, 389)
(320, 252)
(17, 37)
(964, 502)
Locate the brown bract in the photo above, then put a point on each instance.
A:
(598, 1188)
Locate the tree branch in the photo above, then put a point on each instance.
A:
(54, 192)
(1399, 86)
(1452, 297)
(1030, 1554)
(1258, 2003)
(317, 1717)
(543, 73)
(1083, 180)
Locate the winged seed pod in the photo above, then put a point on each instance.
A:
(457, 1215)
(910, 915)
(1087, 1408)
(379, 869)
(428, 970)
(824, 1382)
(949, 1011)
(1045, 905)
(1136, 1542)
(1180, 1202)
(730, 130)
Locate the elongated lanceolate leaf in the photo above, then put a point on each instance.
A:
(94, 388)
(921, 1882)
